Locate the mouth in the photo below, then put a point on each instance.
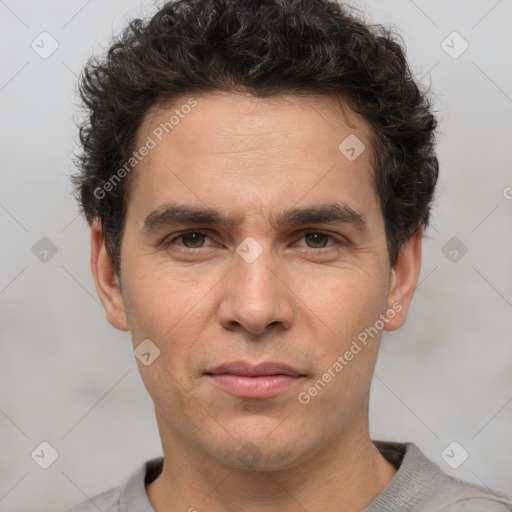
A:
(246, 380)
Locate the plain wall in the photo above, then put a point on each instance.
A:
(70, 379)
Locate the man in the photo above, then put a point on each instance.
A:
(258, 176)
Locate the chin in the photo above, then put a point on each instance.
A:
(262, 453)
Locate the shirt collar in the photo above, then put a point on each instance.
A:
(133, 496)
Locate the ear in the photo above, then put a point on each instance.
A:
(106, 280)
(404, 279)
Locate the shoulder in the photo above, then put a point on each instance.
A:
(457, 495)
(107, 501)
(421, 486)
(461, 496)
(477, 504)
(129, 496)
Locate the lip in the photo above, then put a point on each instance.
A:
(263, 380)
(266, 368)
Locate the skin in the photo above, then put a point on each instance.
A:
(302, 301)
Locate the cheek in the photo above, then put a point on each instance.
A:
(346, 302)
(159, 299)
(169, 310)
(174, 311)
(346, 311)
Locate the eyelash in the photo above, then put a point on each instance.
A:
(169, 243)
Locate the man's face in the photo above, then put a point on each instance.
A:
(265, 287)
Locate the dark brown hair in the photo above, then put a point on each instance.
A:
(266, 48)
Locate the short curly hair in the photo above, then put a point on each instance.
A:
(266, 48)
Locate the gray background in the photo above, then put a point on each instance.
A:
(70, 379)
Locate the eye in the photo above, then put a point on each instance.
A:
(196, 240)
(318, 239)
(190, 239)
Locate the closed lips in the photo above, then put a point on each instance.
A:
(244, 369)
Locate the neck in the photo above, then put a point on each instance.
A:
(344, 475)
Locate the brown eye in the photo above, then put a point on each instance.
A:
(319, 240)
(192, 240)
(189, 240)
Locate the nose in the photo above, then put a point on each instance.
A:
(256, 296)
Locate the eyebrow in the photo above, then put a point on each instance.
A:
(173, 214)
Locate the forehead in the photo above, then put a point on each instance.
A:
(220, 148)
(214, 119)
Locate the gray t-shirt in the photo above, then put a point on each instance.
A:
(418, 486)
